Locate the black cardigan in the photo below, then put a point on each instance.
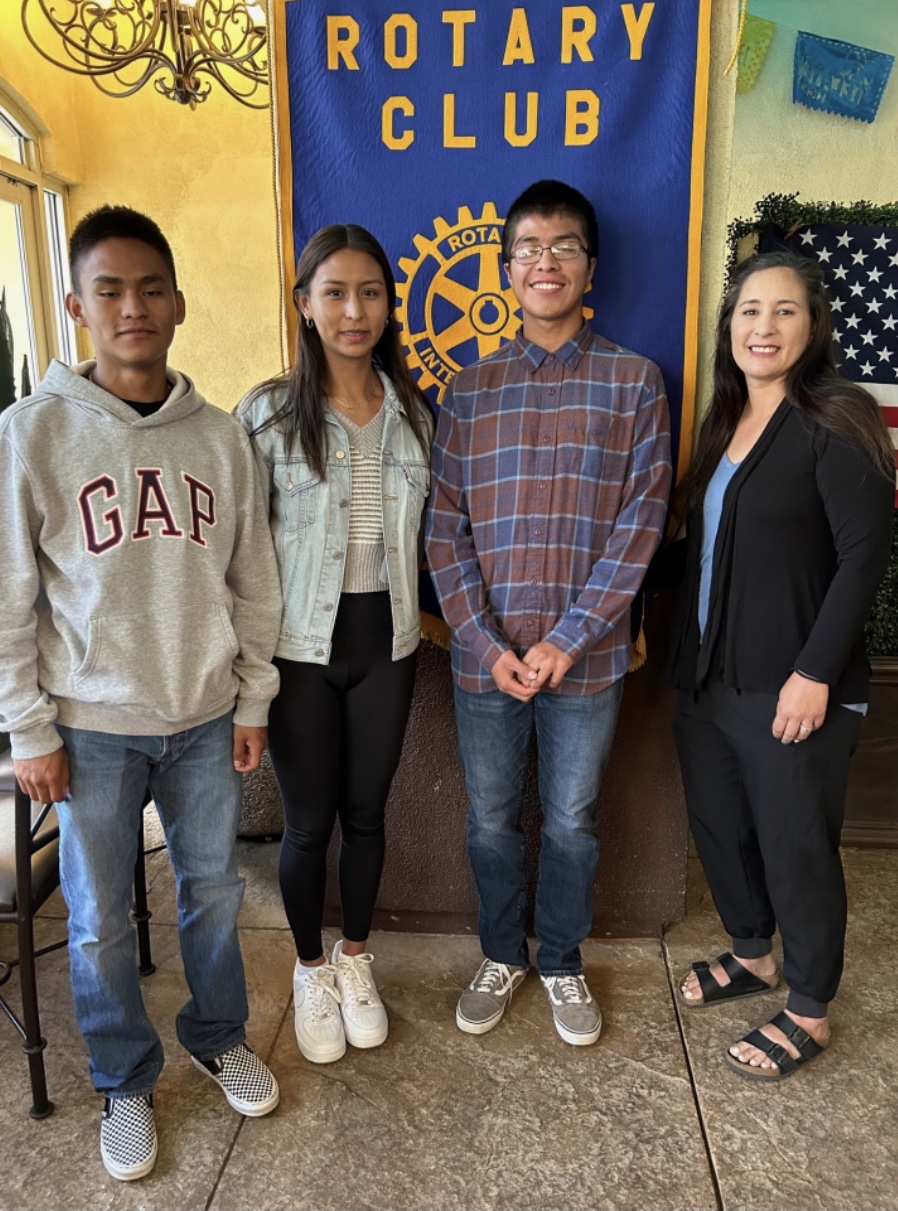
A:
(803, 542)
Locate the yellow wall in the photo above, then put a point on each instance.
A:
(780, 147)
(204, 176)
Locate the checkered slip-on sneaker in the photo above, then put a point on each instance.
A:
(248, 1085)
(128, 1137)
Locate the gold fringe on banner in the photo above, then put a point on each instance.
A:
(435, 630)
(735, 55)
(638, 653)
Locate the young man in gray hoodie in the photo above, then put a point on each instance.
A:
(141, 611)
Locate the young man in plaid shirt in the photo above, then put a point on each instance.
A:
(551, 470)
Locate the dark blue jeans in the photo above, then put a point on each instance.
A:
(198, 796)
(574, 736)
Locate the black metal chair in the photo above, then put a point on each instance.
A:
(29, 874)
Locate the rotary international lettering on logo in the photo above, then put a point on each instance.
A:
(455, 305)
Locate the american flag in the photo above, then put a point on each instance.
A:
(860, 266)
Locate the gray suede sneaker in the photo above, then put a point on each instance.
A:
(577, 1017)
(483, 1002)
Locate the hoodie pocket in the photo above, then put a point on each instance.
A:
(177, 668)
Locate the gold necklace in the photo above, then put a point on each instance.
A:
(353, 408)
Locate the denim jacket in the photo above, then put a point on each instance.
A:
(309, 521)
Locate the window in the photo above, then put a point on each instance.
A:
(34, 326)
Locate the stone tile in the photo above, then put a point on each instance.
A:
(514, 1119)
(56, 1162)
(828, 1136)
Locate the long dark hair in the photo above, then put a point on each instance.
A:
(302, 414)
(813, 385)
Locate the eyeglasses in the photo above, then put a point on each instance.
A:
(529, 254)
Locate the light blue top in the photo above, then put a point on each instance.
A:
(711, 520)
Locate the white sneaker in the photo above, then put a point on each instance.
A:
(316, 1007)
(364, 1016)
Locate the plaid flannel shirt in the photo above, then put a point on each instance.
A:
(550, 478)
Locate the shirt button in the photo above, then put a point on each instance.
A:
(338, 554)
(329, 606)
(341, 454)
(397, 601)
(344, 504)
(551, 390)
(551, 357)
(545, 441)
(542, 487)
(533, 580)
(537, 533)
(392, 550)
(319, 652)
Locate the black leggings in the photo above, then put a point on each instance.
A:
(335, 736)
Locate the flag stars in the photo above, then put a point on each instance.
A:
(867, 338)
(885, 355)
(874, 305)
(852, 320)
(893, 260)
(845, 239)
(889, 321)
(837, 335)
(851, 352)
(807, 237)
(856, 289)
(859, 257)
(824, 255)
(837, 304)
(891, 292)
(840, 273)
(873, 275)
(867, 368)
(881, 242)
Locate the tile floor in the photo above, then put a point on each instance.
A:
(648, 1118)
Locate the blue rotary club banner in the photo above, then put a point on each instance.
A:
(422, 122)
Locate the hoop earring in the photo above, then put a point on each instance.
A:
(310, 323)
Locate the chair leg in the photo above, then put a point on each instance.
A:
(141, 910)
(34, 1041)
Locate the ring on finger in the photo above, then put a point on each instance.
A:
(803, 727)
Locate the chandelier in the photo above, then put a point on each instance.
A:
(122, 44)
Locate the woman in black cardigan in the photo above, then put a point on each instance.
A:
(790, 504)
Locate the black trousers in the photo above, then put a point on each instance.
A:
(766, 818)
(335, 737)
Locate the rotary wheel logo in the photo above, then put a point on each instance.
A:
(453, 307)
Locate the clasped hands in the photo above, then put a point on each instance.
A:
(521, 678)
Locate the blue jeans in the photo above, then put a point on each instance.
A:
(574, 736)
(198, 796)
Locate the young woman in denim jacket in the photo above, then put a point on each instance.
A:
(342, 443)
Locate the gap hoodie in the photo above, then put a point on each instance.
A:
(141, 593)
